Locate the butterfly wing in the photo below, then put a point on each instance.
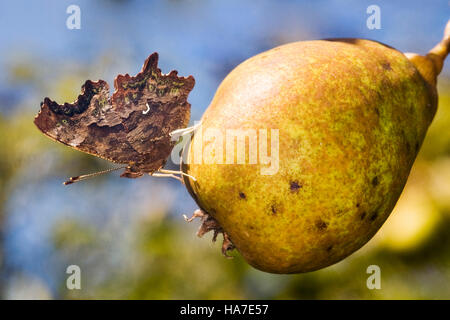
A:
(130, 127)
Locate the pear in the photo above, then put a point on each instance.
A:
(347, 118)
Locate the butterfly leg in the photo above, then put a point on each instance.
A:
(211, 224)
(176, 134)
(166, 175)
(177, 172)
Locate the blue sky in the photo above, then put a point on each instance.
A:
(202, 38)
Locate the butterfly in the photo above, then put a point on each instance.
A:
(131, 127)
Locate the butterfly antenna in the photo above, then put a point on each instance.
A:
(90, 175)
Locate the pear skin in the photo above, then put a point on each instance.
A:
(351, 116)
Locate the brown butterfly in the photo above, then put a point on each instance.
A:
(131, 127)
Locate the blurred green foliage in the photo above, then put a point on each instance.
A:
(157, 256)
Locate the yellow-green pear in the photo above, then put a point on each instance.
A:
(338, 124)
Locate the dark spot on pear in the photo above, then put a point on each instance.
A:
(242, 195)
(321, 225)
(357, 205)
(375, 181)
(417, 146)
(408, 146)
(374, 216)
(386, 66)
(273, 208)
(363, 215)
(329, 248)
(295, 186)
(377, 111)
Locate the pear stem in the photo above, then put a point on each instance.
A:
(441, 50)
(431, 64)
